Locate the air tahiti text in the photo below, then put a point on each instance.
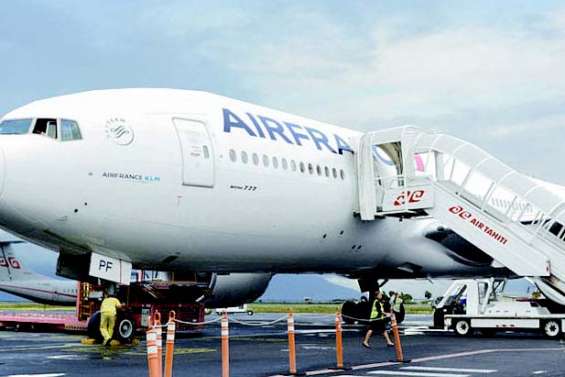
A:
(468, 216)
(291, 133)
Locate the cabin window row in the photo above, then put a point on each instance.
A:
(286, 164)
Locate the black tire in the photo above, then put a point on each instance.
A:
(250, 312)
(463, 327)
(551, 328)
(124, 330)
(93, 327)
(349, 312)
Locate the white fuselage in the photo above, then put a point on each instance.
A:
(144, 187)
(43, 290)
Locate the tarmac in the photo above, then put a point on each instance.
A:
(263, 352)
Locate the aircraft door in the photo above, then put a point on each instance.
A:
(197, 152)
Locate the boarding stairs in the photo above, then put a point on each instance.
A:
(518, 221)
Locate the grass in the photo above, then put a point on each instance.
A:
(323, 308)
(27, 306)
(256, 307)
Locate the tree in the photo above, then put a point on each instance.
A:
(407, 298)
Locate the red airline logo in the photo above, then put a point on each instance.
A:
(10, 262)
(413, 197)
(468, 216)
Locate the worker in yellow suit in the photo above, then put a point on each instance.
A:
(108, 313)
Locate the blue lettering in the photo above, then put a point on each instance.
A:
(273, 127)
(232, 120)
(342, 145)
(256, 124)
(297, 136)
(319, 139)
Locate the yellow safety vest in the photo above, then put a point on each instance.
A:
(375, 314)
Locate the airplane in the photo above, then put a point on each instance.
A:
(17, 280)
(178, 180)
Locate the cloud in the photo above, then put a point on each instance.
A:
(387, 73)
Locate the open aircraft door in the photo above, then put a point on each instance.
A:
(197, 152)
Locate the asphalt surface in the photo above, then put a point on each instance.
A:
(263, 351)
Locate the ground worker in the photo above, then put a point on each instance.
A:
(397, 305)
(108, 313)
(380, 312)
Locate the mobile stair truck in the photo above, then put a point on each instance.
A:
(470, 305)
(517, 221)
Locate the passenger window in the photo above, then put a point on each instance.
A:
(205, 152)
(334, 172)
(318, 170)
(327, 171)
(70, 130)
(302, 168)
(342, 174)
(244, 157)
(275, 163)
(233, 155)
(255, 159)
(293, 165)
(310, 169)
(284, 164)
(266, 160)
(556, 228)
(47, 127)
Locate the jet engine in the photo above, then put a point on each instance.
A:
(236, 289)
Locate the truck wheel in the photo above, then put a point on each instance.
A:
(551, 328)
(463, 327)
(125, 330)
(93, 327)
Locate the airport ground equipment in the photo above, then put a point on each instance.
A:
(141, 300)
(516, 220)
(338, 341)
(470, 305)
(235, 309)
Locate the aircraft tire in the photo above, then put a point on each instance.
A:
(93, 327)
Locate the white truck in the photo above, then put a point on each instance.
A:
(470, 305)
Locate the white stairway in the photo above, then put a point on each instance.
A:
(518, 221)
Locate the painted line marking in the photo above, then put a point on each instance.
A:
(416, 374)
(375, 365)
(461, 370)
(443, 357)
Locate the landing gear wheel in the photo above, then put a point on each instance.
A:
(462, 327)
(125, 330)
(551, 328)
(93, 327)
(349, 312)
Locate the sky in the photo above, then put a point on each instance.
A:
(489, 72)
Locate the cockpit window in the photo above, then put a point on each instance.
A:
(46, 126)
(70, 130)
(15, 126)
